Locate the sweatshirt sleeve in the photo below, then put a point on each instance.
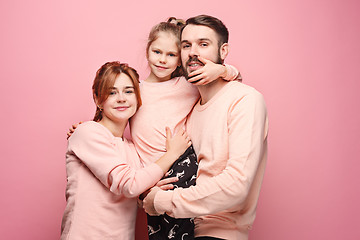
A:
(97, 150)
(232, 73)
(247, 126)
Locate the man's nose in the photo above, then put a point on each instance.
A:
(194, 51)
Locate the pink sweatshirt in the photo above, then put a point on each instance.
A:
(229, 134)
(164, 104)
(104, 177)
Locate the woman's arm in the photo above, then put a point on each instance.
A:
(96, 148)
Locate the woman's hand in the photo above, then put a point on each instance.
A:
(165, 184)
(175, 146)
(178, 143)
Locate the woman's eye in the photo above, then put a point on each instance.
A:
(129, 91)
(112, 93)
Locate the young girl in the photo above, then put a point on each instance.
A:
(104, 174)
(168, 98)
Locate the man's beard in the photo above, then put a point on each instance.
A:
(196, 60)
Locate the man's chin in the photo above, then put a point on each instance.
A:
(186, 73)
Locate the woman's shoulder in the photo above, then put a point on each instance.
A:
(89, 129)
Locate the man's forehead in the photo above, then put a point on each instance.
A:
(195, 32)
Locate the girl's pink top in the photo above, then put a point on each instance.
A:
(164, 104)
(104, 178)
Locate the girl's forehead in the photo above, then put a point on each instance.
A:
(167, 35)
(166, 40)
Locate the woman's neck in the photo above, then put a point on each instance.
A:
(116, 128)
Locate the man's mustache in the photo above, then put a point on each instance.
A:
(194, 59)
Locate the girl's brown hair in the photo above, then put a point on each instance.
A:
(173, 26)
(105, 79)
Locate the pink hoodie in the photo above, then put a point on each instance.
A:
(104, 178)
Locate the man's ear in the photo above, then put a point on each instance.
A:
(224, 51)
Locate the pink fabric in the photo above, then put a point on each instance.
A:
(104, 177)
(165, 104)
(232, 73)
(229, 134)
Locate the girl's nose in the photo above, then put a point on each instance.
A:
(162, 58)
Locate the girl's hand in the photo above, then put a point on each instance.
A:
(72, 129)
(208, 73)
(177, 144)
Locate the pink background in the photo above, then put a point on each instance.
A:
(302, 55)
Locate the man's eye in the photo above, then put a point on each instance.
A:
(203, 44)
(185, 46)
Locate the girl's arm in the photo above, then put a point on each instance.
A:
(212, 71)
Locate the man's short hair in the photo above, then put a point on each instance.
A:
(214, 23)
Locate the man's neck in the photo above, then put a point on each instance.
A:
(209, 90)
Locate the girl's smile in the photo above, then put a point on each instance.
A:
(163, 57)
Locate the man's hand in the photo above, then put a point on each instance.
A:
(148, 203)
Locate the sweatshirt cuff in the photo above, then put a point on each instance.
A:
(163, 201)
(232, 73)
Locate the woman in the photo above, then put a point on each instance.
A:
(104, 172)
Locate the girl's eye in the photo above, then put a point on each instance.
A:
(129, 91)
(156, 51)
(172, 55)
(112, 93)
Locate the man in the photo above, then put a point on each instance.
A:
(228, 128)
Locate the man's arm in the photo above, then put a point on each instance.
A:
(247, 145)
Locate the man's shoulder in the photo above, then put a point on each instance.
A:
(240, 90)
